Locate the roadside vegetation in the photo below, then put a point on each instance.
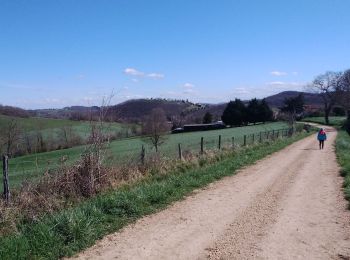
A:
(343, 156)
(333, 120)
(62, 233)
(32, 166)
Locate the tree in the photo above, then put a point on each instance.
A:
(253, 110)
(343, 95)
(343, 92)
(293, 107)
(10, 135)
(208, 118)
(155, 127)
(325, 85)
(265, 113)
(235, 113)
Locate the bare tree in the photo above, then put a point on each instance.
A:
(68, 136)
(10, 135)
(293, 108)
(325, 85)
(155, 127)
(343, 92)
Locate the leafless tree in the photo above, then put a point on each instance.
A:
(343, 91)
(325, 85)
(155, 127)
(10, 136)
(68, 136)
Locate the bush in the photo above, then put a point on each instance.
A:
(346, 125)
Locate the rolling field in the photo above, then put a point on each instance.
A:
(333, 120)
(49, 126)
(32, 166)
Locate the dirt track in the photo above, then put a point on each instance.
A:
(287, 206)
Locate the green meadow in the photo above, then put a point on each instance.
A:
(34, 165)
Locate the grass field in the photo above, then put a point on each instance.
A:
(69, 231)
(343, 155)
(53, 126)
(333, 120)
(32, 166)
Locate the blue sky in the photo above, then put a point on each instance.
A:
(60, 53)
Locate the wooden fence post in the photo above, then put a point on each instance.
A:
(260, 137)
(253, 138)
(233, 142)
(180, 152)
(143, 153)
(219, 145)
(244, 140)
(5, 168)
(202, 145)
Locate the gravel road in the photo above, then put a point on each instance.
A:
(287, 206)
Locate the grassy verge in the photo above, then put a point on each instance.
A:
(72, 230)
(333, 120)
(343, 155)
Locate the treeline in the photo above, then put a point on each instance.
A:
(16, 141)
(237, 113)
(13, 111)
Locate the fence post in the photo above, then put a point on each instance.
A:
(244, 140)
(233, 142)
(180, 152)
(5, 168)
(253, 138)
(202, 145)
(143, 153)
(260, 137)
(219, 146)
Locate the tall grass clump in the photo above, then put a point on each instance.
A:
(343, 155)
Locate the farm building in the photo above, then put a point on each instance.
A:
(200, 127)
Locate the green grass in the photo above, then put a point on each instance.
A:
(34, 165)
(49, 126)
(343, 155)
(333, 120)
(72, 230)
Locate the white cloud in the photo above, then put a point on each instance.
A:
(188, 85)
(275, 83)
(155, 75)
(134, 72)
(286, 85)
(80, 76)
(278, 73)
(140, 74)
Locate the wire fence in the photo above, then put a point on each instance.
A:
(140, 152)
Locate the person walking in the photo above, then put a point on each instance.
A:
(321, 137)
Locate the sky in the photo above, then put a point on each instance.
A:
(76, 52)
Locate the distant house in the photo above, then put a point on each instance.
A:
(200, 127)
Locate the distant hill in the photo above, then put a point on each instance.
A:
(133, 111)
(310, 98)
(73, 112)
(13, 111)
